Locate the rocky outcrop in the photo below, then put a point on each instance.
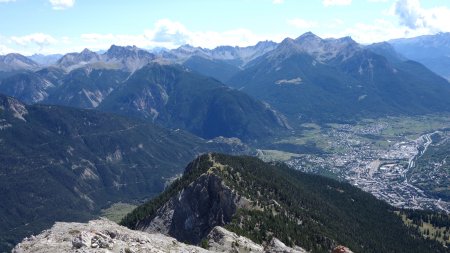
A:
(191, 214)
(100, 236)
(196, 214)
(15, 108)
(341, 249)
(106, 236)
(222, 240)
(277, 246)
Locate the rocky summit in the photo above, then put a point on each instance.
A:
(106, 236)
(99, 236)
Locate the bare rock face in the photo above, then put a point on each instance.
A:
(222, 240)
(277, 246)
(191, 214)
(100, 236)
(197, 213)
(106, 236)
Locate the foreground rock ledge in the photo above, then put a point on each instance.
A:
(106, 236)
(100, 236)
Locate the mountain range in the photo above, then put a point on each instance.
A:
(307, 78)
(169, 95)
(181, 99)
(339, 79)
(45, 60)
(92, 128)
(432, 51)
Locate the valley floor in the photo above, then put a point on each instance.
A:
(378, 156)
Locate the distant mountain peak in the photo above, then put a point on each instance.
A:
(116, 50)
(87, 54)
(74, 60)
(322, 50)
(14, 61)
(186, 48)
(308, 36)
(235, 55)
(265, 43)
(129, 58)
(287, 42)
(127, 51)
(346, 39)
(86, 51)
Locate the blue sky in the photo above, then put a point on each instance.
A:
(61, 26)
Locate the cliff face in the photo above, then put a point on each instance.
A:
(196, 213)
(192, 213)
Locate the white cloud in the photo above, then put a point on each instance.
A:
(277, 1)
(171, 34)
(327, 3)
(5, 50)
(379, 30)
(7, 1)
(169, 31)
(302, 23)
(413, 16)
(413, 20)
(62, 4)
(165, 33)
(36, 39)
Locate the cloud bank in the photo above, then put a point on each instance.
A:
(412, 15)
(62, 4)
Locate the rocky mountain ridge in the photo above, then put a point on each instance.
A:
(238, 56)
(170, 95)
(311, 78)
(263, 201)
(431, 50)
(128, 59)
(13, 61)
